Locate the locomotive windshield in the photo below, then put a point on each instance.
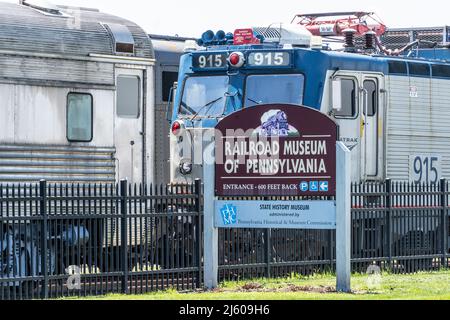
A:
(204, 96)
(267, 89)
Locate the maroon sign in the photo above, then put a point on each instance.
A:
(245, 36)
(276, 150)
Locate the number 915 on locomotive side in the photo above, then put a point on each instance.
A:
(425, 168)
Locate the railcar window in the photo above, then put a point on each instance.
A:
(397, 67)
(440, 70)
(419, 69)
(348, 100)
(128, 96)
(372, 98)
(79, 117)
(168, 79)
(266, 89)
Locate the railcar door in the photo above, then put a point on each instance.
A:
(371, 126)
(128, 126)
(166, 76)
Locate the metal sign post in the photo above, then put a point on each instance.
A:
(343, 218)
(211, 233)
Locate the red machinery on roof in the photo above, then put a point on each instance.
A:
(321, 24)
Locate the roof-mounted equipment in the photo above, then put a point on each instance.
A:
(285, 35)
(123, 38)
(370, 40)
(44, 7)
(349, 35)
(334, 24)
(397, 38)
(209, 38)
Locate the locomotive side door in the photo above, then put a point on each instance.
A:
(358, 109)
(128, 126)
(371, 126)
(346, 105)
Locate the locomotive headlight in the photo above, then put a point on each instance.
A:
(186, 167)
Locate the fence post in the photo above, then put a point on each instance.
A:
(198, 209)
(124, 234)
(268, 252)
(389, 220)
(444, 219)
(44, 229)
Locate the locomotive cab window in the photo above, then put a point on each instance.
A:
(204, 96)
(79, 117)
(128, 95)
(266, 89)
(348, 94)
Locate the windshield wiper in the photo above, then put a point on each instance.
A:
(185, 107)
(209, 104)
(254, 101)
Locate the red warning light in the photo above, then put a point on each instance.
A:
(176, 128)
(236, 59)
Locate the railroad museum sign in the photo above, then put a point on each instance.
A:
(276, 150)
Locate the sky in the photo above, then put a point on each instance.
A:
(192, 18)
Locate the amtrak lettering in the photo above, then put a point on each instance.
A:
(276, 150)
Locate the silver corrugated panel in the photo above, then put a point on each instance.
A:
(56, 164)
(45, 69)
(24, 29)
(417, 125)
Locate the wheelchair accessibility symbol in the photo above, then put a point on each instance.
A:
(314, 186)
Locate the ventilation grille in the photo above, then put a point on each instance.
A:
(399, 38)
(268, 33)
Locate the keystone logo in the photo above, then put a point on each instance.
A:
(229, 214)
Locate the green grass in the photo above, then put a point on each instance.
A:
(420, 286)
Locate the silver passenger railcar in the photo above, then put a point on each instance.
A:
(77, 96)
(83, 96)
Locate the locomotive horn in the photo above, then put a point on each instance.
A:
(208, 36)
(220, 36)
